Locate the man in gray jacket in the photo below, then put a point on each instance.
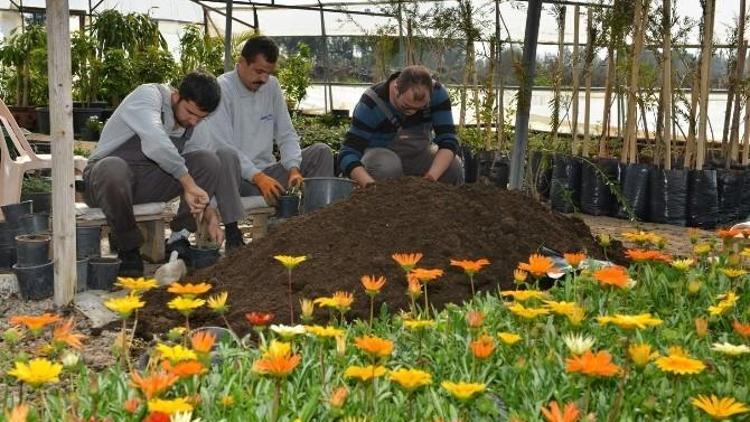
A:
(252, 116)
(140, 158)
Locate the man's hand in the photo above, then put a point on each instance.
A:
(269, 187)
(361, 176)
(196, 198)
(440, 164)
(295, 178)
(214, 225)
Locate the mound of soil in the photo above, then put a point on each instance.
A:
(358, 236)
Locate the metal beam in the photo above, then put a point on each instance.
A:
(222, 13)
(228, 59)
(298, 7)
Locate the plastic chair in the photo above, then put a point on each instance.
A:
(13, 169)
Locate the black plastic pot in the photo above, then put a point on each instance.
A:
(668, 193)
(203, 257)
(34, 224)
(32, 250)
(7, 257)
(102, 273)
(730, 195)
(42, 120)
(541, 172)
(88, 242)
(744, 212)
(635, 191)
(13, 212)
(81, 117)
(7, 234)
(565, 191)
(42, 201)
(36, 283)
(82, 274)
(703, 199)
(596, 178)
(287, 206)
(470, 164)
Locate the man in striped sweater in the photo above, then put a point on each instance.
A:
(403, 127)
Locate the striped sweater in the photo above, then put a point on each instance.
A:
(371, 128)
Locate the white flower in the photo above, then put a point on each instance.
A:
(183, 417)
(577, 343)
(286, 332)
(730, 349)
(70, 359)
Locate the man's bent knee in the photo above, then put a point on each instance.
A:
(382, 164)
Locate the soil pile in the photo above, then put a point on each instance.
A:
(358, 236)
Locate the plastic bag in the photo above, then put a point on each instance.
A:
(703, 199)
(668, 192)
(596, 193)
(730, 195)
(566, 183)
(635, 191)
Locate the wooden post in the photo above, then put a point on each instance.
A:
(609, 83)
(667, 84)
(746, 135)
(576, 79)
(734, 137)
(558, 79)
(630, 142)
(228, 59)
(500, 126)
(587, 72)
(61, 125)
(708, 35)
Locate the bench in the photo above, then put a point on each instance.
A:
(257, 212)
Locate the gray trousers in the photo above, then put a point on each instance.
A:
(384, 163)
(115, 185)
(317, 161)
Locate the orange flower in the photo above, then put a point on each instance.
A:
(338, 397)
(519, 276)
(642, 255)
(189, 289)
(415, 287)
(63, 334)
(374, 346)
(407, 261)
(277, 365)
(372, 284)
(701, 327)
(475, 319)
(203, 341)
(18, 413)
(424, 275)
(538, 265)
(131, 405)
(574, 259)
(470, 267)
(554, 414)
(482, 347)
(34, 322)
(741, 329)
(594, 365)
(727, 234)
(613, 275)
(259, 319)
(154, 384)
(184, 369)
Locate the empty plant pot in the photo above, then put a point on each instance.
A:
(42, 201)
(7, 256)
(319, 192)
(102, 273)
(13, 212)
(88, 241)
(34, 223)
(32, 249)
(202, 257)
(7, 233)
(37, 282)
(287, 206)
(82, 274)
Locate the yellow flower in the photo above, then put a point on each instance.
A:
(277, 348)
(520, 276)
(136, 285)
(218, 303)
(463, 390)
(410, 379)
(185, 305)
(308, 307)
(418, 324)
(528, 313)
(125, 305)
(176, 353)
(641, 237)
(641, 354)
(524, 295)
(730, 349)
(176, 333)
(679, 363)
(702, 249)
(289, 262)
(682, 264)
(364, 373)
(37, 372)
(509, 338)
(733, 272)
(328, 331)
(629, 322)
(694, 286)
(562, 307)
(227, 400)
(170, 406)
(719, 408)
(340, 301)
(374, 346)
(576, 316)
(189, 289)
(727, 301)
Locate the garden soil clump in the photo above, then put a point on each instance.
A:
(356, 237)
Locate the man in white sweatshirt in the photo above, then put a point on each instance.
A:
(251, 117)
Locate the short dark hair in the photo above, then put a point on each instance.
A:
(202, 89)
(412, 76)
(260, 45)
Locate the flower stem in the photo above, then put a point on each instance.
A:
(135, 325)
(426, 303)
(276, 400)
(291, 306)
(471, 281)
(372, 309)
(226, 322)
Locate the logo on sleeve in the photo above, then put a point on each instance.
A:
(267, 117)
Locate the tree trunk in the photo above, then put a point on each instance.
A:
(557, 81)
(667, 84)
(489, 99)
(700, 150)
(576, 80)
(734, 136)
(693, 119)
(587, 72)
(746, 134)
(500, 98)
(607, 101)
(630, 149)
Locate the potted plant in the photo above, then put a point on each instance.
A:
(93, 129)
(38, 190)
(294, 76)
(25, 51)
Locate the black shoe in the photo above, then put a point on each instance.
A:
(234, 238)
(182, 247)
(131, 264)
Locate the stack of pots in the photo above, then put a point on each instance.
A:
(94, 271)
(33, 267)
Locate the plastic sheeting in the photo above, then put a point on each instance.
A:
(668, 193)
(730, 195)
(635, 191)
(596, 178)
(703, 199)
(565, 190)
